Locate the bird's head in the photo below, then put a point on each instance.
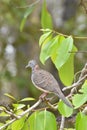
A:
(31, 64)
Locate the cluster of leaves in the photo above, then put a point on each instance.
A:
(17, 109)
(58, 48)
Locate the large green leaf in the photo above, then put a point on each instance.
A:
(63, 54)
(26, 125)
(46, 19)
(66, 72)
(81, 121)
(64, 109)
(43, 120)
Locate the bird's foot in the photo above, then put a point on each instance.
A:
(43, 96)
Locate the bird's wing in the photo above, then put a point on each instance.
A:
(44, 81)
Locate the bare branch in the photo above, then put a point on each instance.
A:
(31, 108)
(11, 114)
(62, 123)
(85, 110)
(50, 105)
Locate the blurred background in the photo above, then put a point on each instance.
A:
(18, 47)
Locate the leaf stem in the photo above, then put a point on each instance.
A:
(75, 37)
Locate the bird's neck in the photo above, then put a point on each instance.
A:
(35, 68)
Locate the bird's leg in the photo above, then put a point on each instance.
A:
(42, 96)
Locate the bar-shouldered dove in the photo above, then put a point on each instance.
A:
(45, 81)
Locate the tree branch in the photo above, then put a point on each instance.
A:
(62, 123)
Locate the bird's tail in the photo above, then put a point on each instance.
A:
(61, 96)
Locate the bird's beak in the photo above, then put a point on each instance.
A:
(27, 66)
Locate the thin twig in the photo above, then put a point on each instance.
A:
(12, 114)
(3, 109)
(31, 108)
(51, 106)
(85, 110)
(77, 73)
(75, 37)
(7, 124)
(27, 6)
(79, 82)
(83, 72)
(77, 51)
(62, 123)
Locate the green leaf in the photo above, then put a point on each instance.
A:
(65, 77)
(3, 114)
(27, 99)
(50, 47)
(84, 88)
(79, 99)
(18, 106)
(81, 122)
(17, 125)
(10, 96)
(64, 109)
(43, 120)
(26, 125)
(63, 54)
(44, 37)
(26, 14)
(44, 55)
(46, 19)
(53, 47)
